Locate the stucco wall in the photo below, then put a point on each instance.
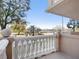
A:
(70, 44)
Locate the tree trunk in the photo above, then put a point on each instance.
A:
(18, 33)
(3, 27)
(33, 33)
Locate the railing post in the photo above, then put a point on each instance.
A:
(58, 41)
(6, 35)
(9, 49)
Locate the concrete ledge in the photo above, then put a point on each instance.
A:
(75, 33)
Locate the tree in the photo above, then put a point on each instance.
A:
(12, 9)
(19, 26)
(73, 24)
(38, 31)
(33, 30)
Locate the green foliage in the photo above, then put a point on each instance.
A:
(19, 27)
(12, 9)
(73, 24)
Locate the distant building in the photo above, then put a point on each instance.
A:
(47, 31)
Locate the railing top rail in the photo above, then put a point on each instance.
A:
(34, 37)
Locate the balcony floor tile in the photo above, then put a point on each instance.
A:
(57, 55)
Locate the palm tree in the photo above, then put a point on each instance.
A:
(34, 30)
(38, 31)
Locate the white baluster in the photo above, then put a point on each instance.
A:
(33, 46)
(38, 46)
(52, 43)
(46, 44)
(16, 50)
(43, 45)
(36, 42)
(25, 49)
(29, 47)
(40, 43)
(19, 49)
(49, 43)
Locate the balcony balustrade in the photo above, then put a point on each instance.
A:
(34, 46)
(64, 46)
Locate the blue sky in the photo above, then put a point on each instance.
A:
(38, 16)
